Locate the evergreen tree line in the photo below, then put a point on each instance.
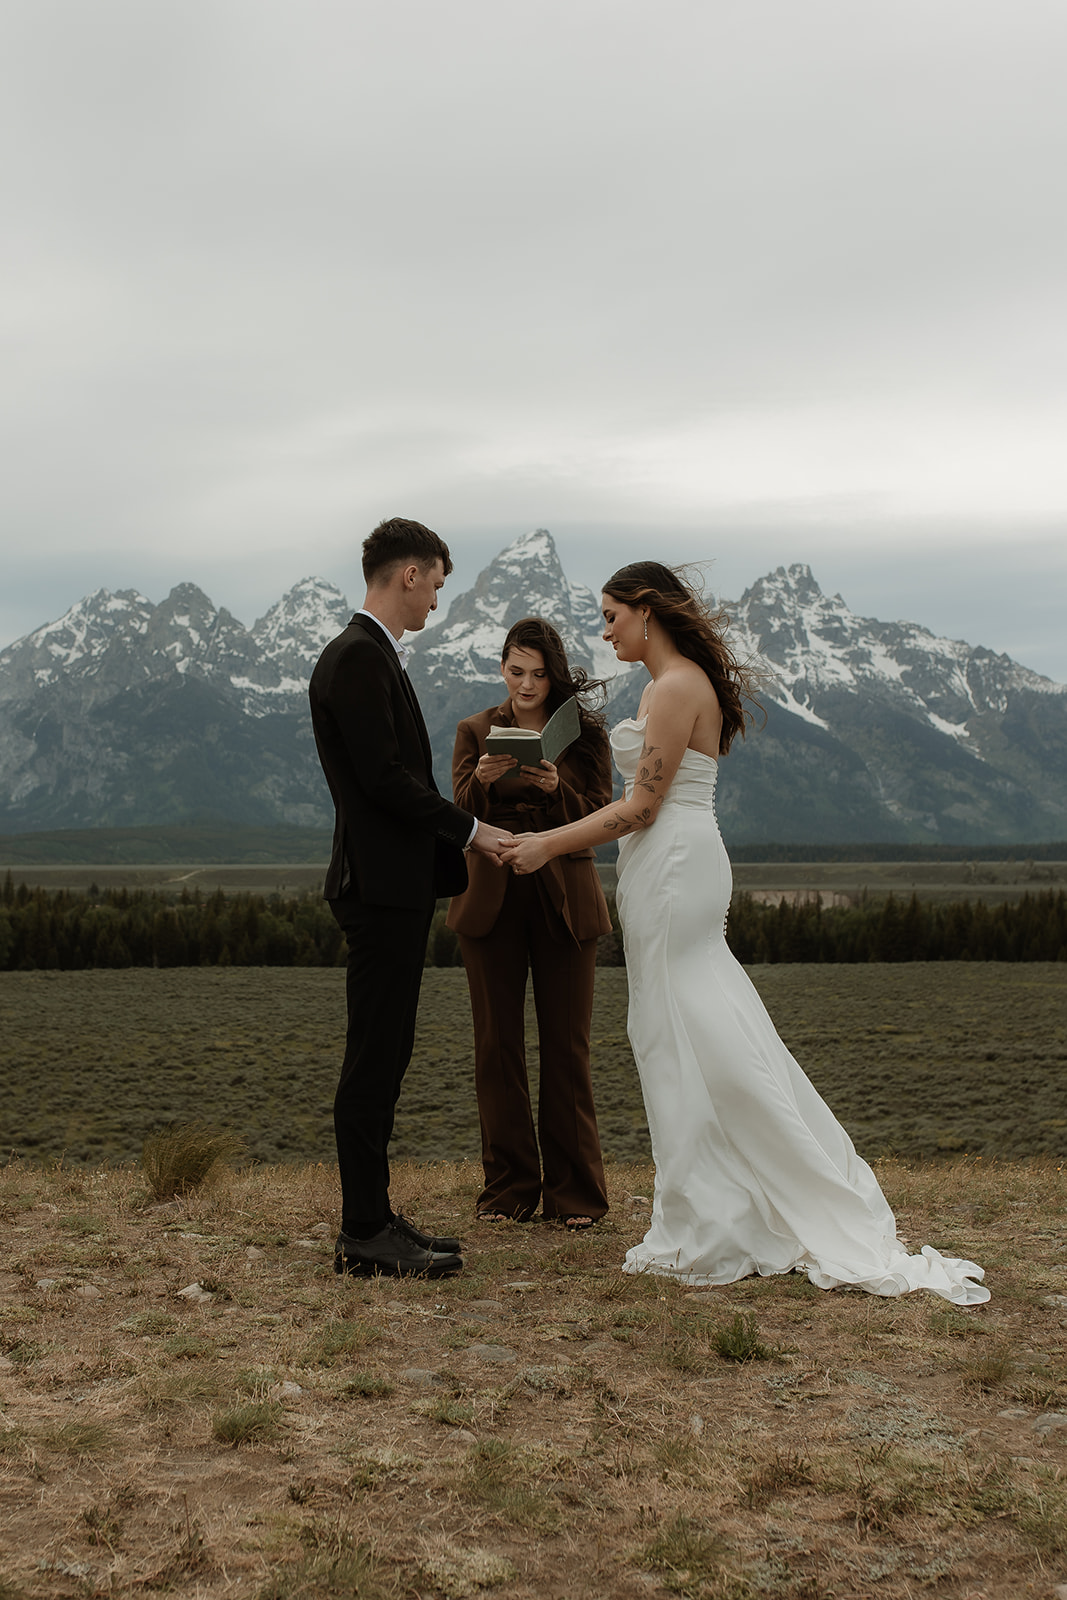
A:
(144, 928)
(71, 930)
(1031, 929)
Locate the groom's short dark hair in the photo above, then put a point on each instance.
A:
(396, 542)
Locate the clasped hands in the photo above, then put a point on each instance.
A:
(521, 852)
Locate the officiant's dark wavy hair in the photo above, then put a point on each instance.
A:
(698, 634)
(534, 633)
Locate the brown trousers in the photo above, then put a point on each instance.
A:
(568, 1176)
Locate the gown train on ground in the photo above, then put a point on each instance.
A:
(754, 1174)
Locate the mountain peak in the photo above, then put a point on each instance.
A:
(297, 627)
(526, 579)
(537, 545)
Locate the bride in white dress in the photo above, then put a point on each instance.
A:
(754, 1174)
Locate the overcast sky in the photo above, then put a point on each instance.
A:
(757, 281)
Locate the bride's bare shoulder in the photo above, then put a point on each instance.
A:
(683, 679)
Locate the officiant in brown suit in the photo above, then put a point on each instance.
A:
(546, 924)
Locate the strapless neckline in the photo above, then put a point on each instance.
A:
(639, 722)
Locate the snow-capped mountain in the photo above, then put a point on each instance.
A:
(816, 647)
(124, 712)
(954, 742)
(456, 666)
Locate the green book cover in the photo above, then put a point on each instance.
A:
(530, 748)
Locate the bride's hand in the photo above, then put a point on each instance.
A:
(527, 854)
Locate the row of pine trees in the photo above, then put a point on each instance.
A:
(41, 930)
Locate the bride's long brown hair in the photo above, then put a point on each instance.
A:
(697, 633)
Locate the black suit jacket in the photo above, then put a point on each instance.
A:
(397, 841)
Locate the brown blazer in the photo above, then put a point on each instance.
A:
(570, 883)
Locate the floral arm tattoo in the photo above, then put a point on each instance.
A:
(649, 779)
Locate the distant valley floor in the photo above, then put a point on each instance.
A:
(923, 1060)
(838, 882)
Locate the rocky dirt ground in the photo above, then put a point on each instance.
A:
(192, 1402)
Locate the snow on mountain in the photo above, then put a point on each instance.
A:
(815, 646)
(297, 627)
(525, 579)
(125, 712)
(76, 641)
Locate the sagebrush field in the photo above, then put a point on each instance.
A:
(919, 1060)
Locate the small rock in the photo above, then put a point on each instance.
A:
(1050, 1422)
(1055, 1300)
(321, 1230)
(521, 1288)
(6, 1365)
(550, 1380)
(421, 1376)
(254, 1253)
(1014, 1415)
(196, 1293)
(88, 1291)
(1060, 1591)
(193, 1236)
(307, 1244)
(288, 1391)
(638, 1200)
(47, 1283)
(498, 1353)
(696, 1425)
(486, 1305)
(464, 1436)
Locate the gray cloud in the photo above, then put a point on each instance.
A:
(785, 276)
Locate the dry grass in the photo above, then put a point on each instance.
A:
(177, 1159)
(540, 1426)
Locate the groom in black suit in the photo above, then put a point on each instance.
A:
(397, 845)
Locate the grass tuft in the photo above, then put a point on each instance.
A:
(1043, 1523)
(367, 1384)
(988, 1372)
(740, 1341)
(188, 1347)
(692, 1559)
(332, 1573)
(338, 1341)
(178, 1159)
(251, 1423)
(786, 1469)
(81, 1439)
(497, 1478)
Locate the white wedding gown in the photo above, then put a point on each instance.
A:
(754, 1174)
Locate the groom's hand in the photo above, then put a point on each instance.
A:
(489, 841)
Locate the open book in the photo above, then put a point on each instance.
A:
(530, 748)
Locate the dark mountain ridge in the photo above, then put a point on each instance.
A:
(123, 713)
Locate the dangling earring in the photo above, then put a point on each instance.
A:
(646, 624)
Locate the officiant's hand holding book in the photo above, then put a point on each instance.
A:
(530, 748)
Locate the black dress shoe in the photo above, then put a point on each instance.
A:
(440, 1244)
(390, 1254)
